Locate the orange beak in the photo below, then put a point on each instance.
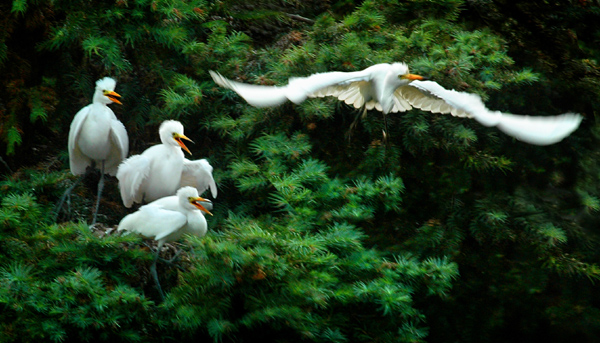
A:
(197, 202)
(413, 77)
(178, 138)
(113, 97)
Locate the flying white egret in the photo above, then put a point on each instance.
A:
(96, 137)
(384, 87)
(537, 130)
(391, 88)
(162, 169)
(167, 220)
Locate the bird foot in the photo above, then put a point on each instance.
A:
(173, 259)
(65, 197)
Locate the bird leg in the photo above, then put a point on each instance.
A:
(385, 130)
(154, 272)
(100, 187)
(66, 194)
(174, 258)
(169, 261)
(360, 115)
(155, 276)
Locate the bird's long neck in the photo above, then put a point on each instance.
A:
(173, 147)
(100, 99)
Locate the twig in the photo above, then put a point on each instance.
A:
(300, 18)
(6, 165)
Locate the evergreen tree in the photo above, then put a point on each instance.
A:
(324, 229)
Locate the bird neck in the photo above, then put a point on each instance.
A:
(170, 143)
(100, 99)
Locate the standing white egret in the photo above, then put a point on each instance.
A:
(537, 130)
(167, 220)
(96, 136)
(162, 169)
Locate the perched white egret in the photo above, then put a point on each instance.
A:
(384, 87)
(537, 130)
(96, 137)
(162, 169)
(167, 220)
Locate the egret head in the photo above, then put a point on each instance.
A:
(401, 69)
(105, 91)
(189, 199)
(171, 132)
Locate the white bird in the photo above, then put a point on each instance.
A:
(384, 87)
(391, 88)
(162, 169)
(96, 137)
(167, 220)
(537, 130)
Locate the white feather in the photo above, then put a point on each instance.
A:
(168, 218)
(162, 169)
(96, 134)
(198, 174)
(388, 88)
(537, 130)
(357, 88)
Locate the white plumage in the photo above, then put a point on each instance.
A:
(537, 130)
(382, 86)
(391, 88)
(167, 220)
(97, 137)
(96, 134)
(162, 169)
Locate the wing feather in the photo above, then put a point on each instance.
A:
(131, 175)
(119, 148)
(297, 90)
(370, 104)
(537, 130)
(78, 162)
(400, 104)
(255, 95)
(152, 221)
(198, 174)
(427, 98)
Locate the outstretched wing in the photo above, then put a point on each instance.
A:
(259, 96)
(132, 173)
(537, 130)
(426, 100)
(343, 85)
(198, 174)
(357, 93)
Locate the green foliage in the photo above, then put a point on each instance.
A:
(332, 224)
(62, 283)
(301, 284)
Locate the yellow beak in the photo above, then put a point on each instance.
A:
(412, 77)
(178, 138)
(196, 202)
(113, 97)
